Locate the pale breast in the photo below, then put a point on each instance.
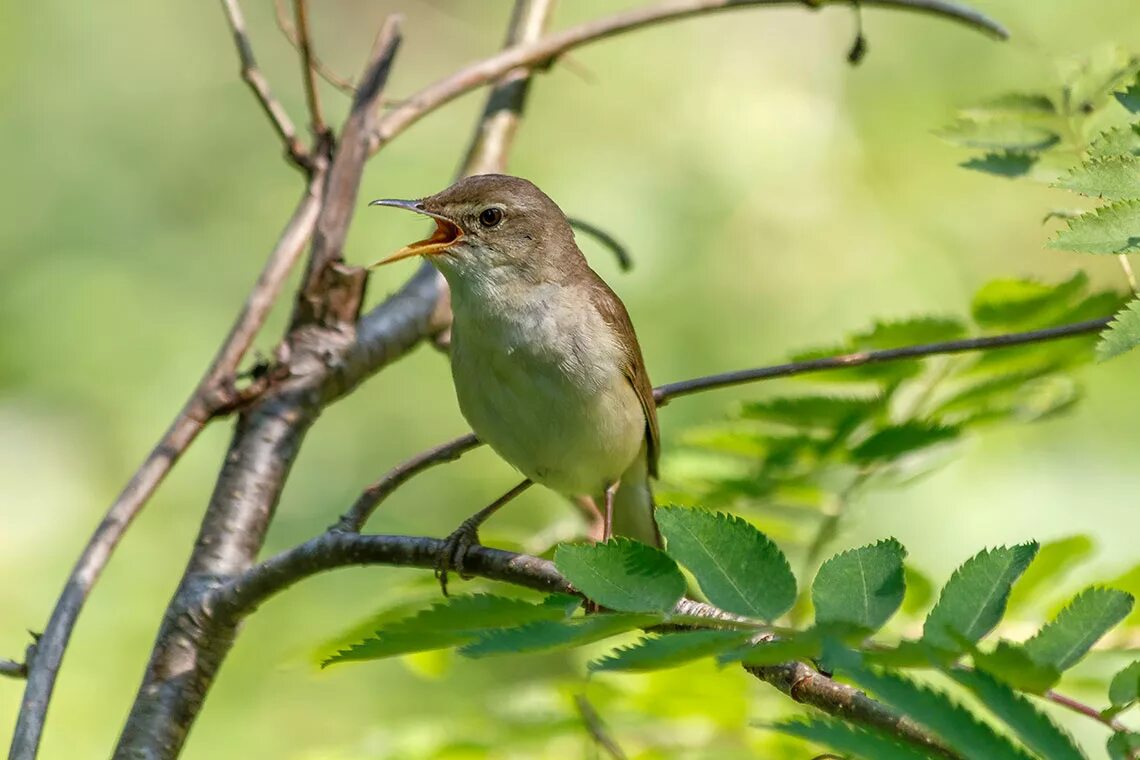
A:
(541, 383)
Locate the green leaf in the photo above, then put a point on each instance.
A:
(1021, 304)
(826, 412)
(906, 654)
(896, 333)
(1124, 746)
(1118, 141)
(1027, 103)
(1114, 178)
(1114, 228)
(935, 710)
(894, 441)
(446, 624)
(1053, 563)
(846, 738)
(669, 650)
(1130, 97)
(738, 568)
(803, 645)
(999, 132)
(862, 587)
(1122, 334)
(1013, 665)
(1006, 164)
(1125, 687)
(553, 635)
(1091, 614)
(1092, 77)
(973, 600)
(622, 575)
(1036, 730)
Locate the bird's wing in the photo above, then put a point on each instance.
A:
(613, 312)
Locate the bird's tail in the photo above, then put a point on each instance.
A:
(633, 505)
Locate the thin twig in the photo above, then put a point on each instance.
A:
(596, 728)
(545, 50)
(1080, 707)
(308, 68)
(286, 26)
(251, 74)
(666, 393)
(213, 394)
(620, 252)
(13, 669)
(353, 520)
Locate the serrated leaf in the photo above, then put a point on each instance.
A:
(862, 587)
(669, 650)
(1122, 334)
(622, 575)
(1114, 228)
(894, 441)
(1053, 563)
(1013, 665)
(1124, 745)
(1062, 642)
(946, 718)
(1114, 178)
(1030, 725)
(1130, 96)
(973, 600)
(1012, 303)
(1125, 687)
(847, 739)
(801, 646)
(446, 624)
(1118, 141)
(895, 333)
(1006, 164)
(811, 411)
(907, 654)
(553, 635)
(738, 568)
(1012, 102)
(1000, 132)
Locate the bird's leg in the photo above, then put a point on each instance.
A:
(594, 516)
(608, 533)
(456, 546)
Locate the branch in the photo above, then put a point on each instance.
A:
(215, 393)
(13, 669)
(287, 29)
(1081, 708)
(670, 391)
(251, 74)
(330, 294)
(244, 594)
(308, 67)
(543, 51)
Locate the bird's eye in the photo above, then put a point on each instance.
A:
(491, 216)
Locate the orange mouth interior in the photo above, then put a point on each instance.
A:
(446, 234)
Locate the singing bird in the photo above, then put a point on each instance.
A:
(547, 368)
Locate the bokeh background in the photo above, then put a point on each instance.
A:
(772, 196)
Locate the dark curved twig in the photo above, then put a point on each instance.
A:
(543, 51)
(670, 391)
(620, 252)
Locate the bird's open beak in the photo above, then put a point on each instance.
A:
(446, 234)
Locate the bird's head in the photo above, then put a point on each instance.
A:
(489, 223)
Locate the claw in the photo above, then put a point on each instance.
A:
(454, 552)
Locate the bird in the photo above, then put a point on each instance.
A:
(546, 364)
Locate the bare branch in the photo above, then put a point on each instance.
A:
(353, 520)
(545, 50)
(252, 76)
(1082, 709)
(806, 685)
(330, 294)
(308, 67)
(596, 727)
(215, 393)
(13, 669)
(286, 26)
(668, 392)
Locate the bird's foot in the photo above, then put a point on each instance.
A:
(454, 552)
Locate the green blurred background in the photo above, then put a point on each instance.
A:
(772, 196)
